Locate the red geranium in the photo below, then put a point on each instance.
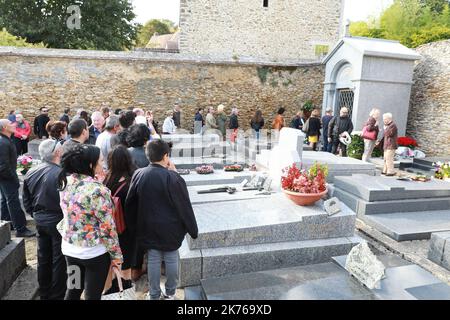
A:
(407, 142)
(302, 181)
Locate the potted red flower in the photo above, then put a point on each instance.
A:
(305, 187)
(407, 142)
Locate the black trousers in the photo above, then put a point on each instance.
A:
(52, 269)
(87, 275)
(10, 207)
(336, 144)
(21, 146)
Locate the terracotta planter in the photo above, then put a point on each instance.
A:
(304, 199)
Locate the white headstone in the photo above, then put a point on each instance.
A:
(287, 152)
(364, 266)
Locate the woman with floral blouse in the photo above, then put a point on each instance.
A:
(90, 241)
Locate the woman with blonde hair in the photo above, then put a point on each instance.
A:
(222, 120)
(314, 126)
(370, 134)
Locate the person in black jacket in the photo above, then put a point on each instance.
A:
(234, 124)
(41, 200)
(257, 122)
(159, 208)
(314, 127)
(65, 117)
(336, 127)
(9, 182)
(40, 122)
(96, 128)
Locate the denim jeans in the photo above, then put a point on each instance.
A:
(154, 272)
(327, 146)
(52, 268)
(11, 209)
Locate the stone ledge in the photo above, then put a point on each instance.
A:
(147, 56)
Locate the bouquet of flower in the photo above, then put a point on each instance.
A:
(442, 170)
(205, 169)
(305, 181)
(235, 168)
(407, 142)
(24, 164)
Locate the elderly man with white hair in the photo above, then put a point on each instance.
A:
(390, 144)
(96, 128)
(112, 127)
(11, 209)
(337, 127)
(41, 199)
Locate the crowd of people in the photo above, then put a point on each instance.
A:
(105, 196)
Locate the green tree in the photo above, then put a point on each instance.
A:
(7, 39)
(105, 24)
(412, 22)
(436, 6)
(150, 28)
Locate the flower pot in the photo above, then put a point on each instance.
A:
(304, 199)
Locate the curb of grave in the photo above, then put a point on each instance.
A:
(397, 248)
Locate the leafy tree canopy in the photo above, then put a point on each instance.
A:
(7, 39)
(104, 24)
(412, 22)
(153, 26)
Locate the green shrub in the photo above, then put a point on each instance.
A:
(356, 148)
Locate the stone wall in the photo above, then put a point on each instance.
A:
(429, 115)
(287, 30)
(32, 78)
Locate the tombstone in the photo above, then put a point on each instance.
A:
(364, 265)
(287, 152)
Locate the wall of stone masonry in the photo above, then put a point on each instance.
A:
(32, 78)
(429, 115)
(287, 30)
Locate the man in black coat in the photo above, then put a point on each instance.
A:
(40, 122)
(65, 117)
(96, 128)
(336, 127)
(9, 182)
(159, 211)
(41, 199)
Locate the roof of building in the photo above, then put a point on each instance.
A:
(376, 47)
(165, 41)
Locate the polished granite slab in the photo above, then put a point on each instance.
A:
(381, 188)
(439, 251)
(364, 207)
(267, 219)
(438, 291)
(407, 226)
(218, 177)
(400, 278)
(324, 281)
(197, 198)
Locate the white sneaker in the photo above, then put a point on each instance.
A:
(168, 297)
(147, 297)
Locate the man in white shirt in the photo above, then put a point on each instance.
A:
(169, 125)
(104, 139)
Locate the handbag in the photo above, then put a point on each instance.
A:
(369, 135)
(119, 293)
(118, 215)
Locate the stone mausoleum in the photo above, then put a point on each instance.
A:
(363, 73)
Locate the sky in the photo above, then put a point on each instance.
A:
(169, 9)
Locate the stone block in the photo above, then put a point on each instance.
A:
(407, 226)
(190, 269)
(363, 207)
(220, 262)
(5, 234)
(381, 188)
(12, 262)
(270, 219)
(437, 246)
(216, 178)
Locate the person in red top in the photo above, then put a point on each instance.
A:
(21, 135)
